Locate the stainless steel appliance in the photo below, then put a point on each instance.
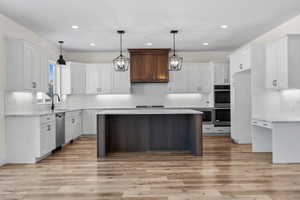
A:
(208, 115)
(222, 96)
(60, 129)
(222, 117)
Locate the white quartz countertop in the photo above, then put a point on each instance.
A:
(153, 111)
(38, 113)
(275, 119)
(111, 110)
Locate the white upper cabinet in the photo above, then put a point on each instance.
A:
(102, 79)
(240, 60)
(26, 69)
(282, 63)
(73, 78)
(193, 78)
(78, 78)
(221, 73)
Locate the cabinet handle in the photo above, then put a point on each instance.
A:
(274, 83)
(73, 121)
(254, 122)
(265, 124)
(49, 128)
(33, 84)
(241, 66)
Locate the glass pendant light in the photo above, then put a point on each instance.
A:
(175, 61)
(121, 63)
(61, 60)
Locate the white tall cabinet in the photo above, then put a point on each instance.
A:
(282, 63)
(27, 66)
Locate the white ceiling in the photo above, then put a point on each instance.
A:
(150, 21)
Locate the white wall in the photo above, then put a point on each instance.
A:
(11, 29)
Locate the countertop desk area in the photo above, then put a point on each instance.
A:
(279, 135)
(149, 129)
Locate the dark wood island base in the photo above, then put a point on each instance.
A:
(134, 131)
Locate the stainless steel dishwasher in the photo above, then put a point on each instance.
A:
(60, 129)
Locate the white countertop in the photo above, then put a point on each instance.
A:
(112, 110)
(38, 113)
(153, 111)
(274, 119)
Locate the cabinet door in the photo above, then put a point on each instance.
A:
(105, 76)
(78, 78)
(205, 77)
(89, 122)
(246, 59)
(282, 64)
(142, 68)
(66, 80)
(192, 77)
(44, 73)
(43, 141)
(31, 68)
(177, 82)
(92, 79)
(160, 71)
(271, 65)
(68, 129)
(120, 82)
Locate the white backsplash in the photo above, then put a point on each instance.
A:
(142, 94)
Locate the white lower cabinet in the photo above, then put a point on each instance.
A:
(29, 138)
(73, 125)
(210, 129)
(89, 122)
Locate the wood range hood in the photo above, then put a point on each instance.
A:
(149, 65)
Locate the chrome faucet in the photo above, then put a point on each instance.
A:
(52, 95)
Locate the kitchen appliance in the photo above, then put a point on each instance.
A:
(60, 129)
(222, 117)
(222, 96)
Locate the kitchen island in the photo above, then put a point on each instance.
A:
(149, 130)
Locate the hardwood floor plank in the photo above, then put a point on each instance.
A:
(227, 171)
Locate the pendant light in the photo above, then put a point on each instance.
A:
(175, 61)
(61, 60)
(121, 63)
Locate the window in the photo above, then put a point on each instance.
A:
(53, 84)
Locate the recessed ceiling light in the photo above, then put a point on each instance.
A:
(205, 44)
(75, 27)
(224, 26)
(92, 44)
(149, 44)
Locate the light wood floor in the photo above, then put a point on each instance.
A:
(226, 172)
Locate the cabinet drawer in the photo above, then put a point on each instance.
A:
(47, 119)
(263, 124)
(208, 128)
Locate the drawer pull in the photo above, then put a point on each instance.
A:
(266, 124)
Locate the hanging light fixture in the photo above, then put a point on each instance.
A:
(61, 60)
(175, 61)
(121, 63)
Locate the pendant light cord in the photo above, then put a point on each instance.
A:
(121, 47)
(174, 44)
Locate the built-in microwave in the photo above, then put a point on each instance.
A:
(222, 96)
(222, 117)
